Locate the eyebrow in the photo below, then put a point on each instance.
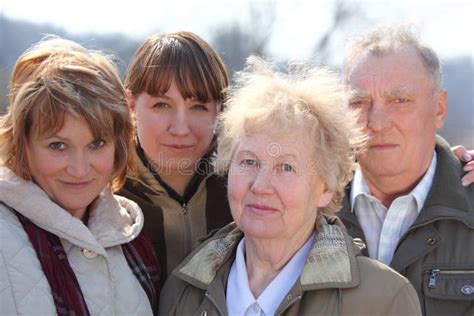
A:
(255, 155)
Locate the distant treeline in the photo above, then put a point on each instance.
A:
(16, 36)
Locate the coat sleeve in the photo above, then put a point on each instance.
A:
(405, 302)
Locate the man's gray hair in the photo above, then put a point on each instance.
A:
(384, 40)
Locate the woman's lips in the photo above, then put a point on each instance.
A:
(261, 209)
(77, 185)
(179, 147)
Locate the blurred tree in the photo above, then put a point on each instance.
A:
(236, 41)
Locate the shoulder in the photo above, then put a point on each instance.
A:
(390, 292)
(21, 276)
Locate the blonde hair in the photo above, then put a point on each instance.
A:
(387, 39)
(55, 77)
(303, 102)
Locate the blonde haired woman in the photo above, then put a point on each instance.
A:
(286, 145)
(69, 245)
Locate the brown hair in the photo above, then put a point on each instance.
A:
(55, 77)
(195, 66)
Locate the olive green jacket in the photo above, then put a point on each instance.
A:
(437, 252)
(335, 280)
(176, 229)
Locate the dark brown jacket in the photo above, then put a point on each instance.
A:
(437, 252)
(207, 210)
(335, 280)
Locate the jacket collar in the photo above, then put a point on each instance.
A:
(446, 199)
(331, 262)
(113, 220)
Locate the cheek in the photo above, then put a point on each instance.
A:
(203, 129)
(105, 161)
(237, 188)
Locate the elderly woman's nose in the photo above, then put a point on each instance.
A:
(79, 164)
(262, 182)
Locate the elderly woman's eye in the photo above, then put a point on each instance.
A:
(97, 143)
(286, 167)
(249, 162)
(57, 146)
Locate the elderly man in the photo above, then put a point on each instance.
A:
(406, 201)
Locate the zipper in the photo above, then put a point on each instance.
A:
(435, 272)
(184, 208)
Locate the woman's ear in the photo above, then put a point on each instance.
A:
(325, 198)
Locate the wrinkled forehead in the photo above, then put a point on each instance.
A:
(400, 70)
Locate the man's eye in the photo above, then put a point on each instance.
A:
(57, 146)
(401, 100)
(357, 103)
(98, 143)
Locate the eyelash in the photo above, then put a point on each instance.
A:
(94, 145)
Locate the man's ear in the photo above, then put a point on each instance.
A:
(130, 100)
(442, 108)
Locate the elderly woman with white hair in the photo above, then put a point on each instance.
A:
(287, 146)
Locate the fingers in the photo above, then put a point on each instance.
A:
(468, 178)
(467, 157)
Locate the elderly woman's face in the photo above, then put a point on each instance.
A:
(71, 166)
(274, 191)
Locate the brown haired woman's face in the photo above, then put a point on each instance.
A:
(71, 166)
(175, 133)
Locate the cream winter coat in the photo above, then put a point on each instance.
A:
(94, 252)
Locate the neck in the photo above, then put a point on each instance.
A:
(177, 180)
(265, 258)
(387, 189)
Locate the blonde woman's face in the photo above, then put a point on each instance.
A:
(273, 187)
(175, 133)
(71, 166)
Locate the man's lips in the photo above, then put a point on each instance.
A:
(382, 146)
(261, 209)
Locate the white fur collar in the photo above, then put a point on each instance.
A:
(113, 220)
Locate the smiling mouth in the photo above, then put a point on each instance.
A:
(261, 209)
(76, 185)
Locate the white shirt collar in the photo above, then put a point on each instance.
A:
(239, 296)
(420, 192)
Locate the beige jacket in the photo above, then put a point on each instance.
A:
(335, 280)
(94, 252)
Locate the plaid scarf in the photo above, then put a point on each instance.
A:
(65, 288)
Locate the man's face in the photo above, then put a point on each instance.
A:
(400, 110)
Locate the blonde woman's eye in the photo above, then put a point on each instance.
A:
(57, 146)
(98, 143)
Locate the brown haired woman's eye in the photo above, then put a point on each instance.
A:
(98, 143)
(200, 107)
(57, 146)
